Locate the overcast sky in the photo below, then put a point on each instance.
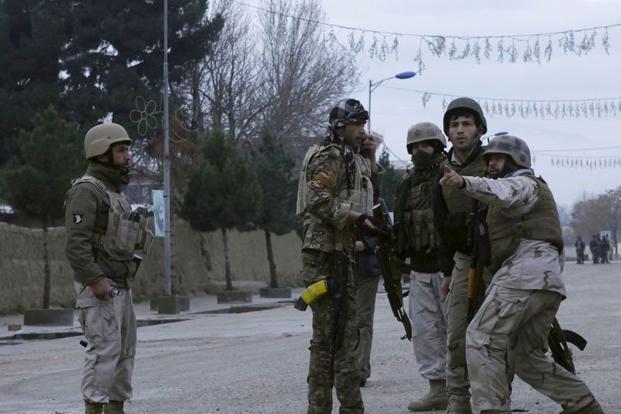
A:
(566, 76)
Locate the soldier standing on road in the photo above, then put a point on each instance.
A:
(464, 123)
(510, 330)
(102, 237)
(335, 195)
(416, 240)
(579, 244)
(368, 269)
(594, 248)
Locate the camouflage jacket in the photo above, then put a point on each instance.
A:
(535, 264)
(337, 182)
(86, 220)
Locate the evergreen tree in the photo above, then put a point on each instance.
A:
(223, 193)
(279, 189)
(31, 38)
(36, 181)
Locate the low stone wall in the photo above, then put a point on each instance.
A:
(198, 264)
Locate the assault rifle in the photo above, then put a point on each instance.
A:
(557, 342)
(480, 258)
(392, 268)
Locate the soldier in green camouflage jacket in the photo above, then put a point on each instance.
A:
(335, 193)
(102, 237)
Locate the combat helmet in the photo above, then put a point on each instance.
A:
(99, 138)
(467, 104)
(347, 111)
(424, 131)
(512, 146)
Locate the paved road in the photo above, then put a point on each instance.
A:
(257, 362)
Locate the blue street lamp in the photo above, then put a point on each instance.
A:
(374, 85)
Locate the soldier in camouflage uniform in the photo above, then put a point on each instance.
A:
(102, 236)
(416, 240)
(334, 194)
(464, 123)
(510, 330)
(368, 269)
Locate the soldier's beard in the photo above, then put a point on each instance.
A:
(365, 152)
(123, 174)
(422, 159)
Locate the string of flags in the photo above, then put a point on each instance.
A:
(531, 108)
(511, 48)
(584, 162)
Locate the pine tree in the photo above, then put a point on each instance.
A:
(36, 181)
(223, 193)
(277, 214)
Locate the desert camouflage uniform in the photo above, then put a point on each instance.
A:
(328, 203)
(509, 332)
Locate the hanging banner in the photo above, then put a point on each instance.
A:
(159, 214)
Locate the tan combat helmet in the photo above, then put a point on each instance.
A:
(512, 146)
(100, 137)
(424, 131)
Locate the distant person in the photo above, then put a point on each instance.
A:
(594, 248)
(368, 268)
(102, 236)
(580, 246)
(604, 248)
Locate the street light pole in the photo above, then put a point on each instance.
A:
(374, 85)
(167, 240)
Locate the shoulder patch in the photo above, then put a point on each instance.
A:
(78, 218)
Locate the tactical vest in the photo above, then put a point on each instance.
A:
(416, 225)
(541, 223)
(456, 226)
(319, 235)
(360, 197)
(125, 233)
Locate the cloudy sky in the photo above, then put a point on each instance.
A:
(564, 77)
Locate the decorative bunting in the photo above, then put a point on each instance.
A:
(513, 48)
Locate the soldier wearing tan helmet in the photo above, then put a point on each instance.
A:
(510, 330)
(416, 240)
(102, 237)
(454, 212)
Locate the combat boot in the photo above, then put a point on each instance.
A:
(114, 407)
(459, 405)
(592, 408)
(93, 408)
(435, 399)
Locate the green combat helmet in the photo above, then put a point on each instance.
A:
(424, 131)
(99, 138)
(468, 104)
(512, 146)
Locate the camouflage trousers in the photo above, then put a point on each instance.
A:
(110, 330)
(329, 367)
(426, 309)
(457, 384)
(366, 288)
(509, 335)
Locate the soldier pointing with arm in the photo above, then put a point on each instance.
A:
(510, 329)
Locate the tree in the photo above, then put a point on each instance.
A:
(31, 38)
(390, 180)
(279, 189)
(304, 70)
(222, 193)
(36, 181)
